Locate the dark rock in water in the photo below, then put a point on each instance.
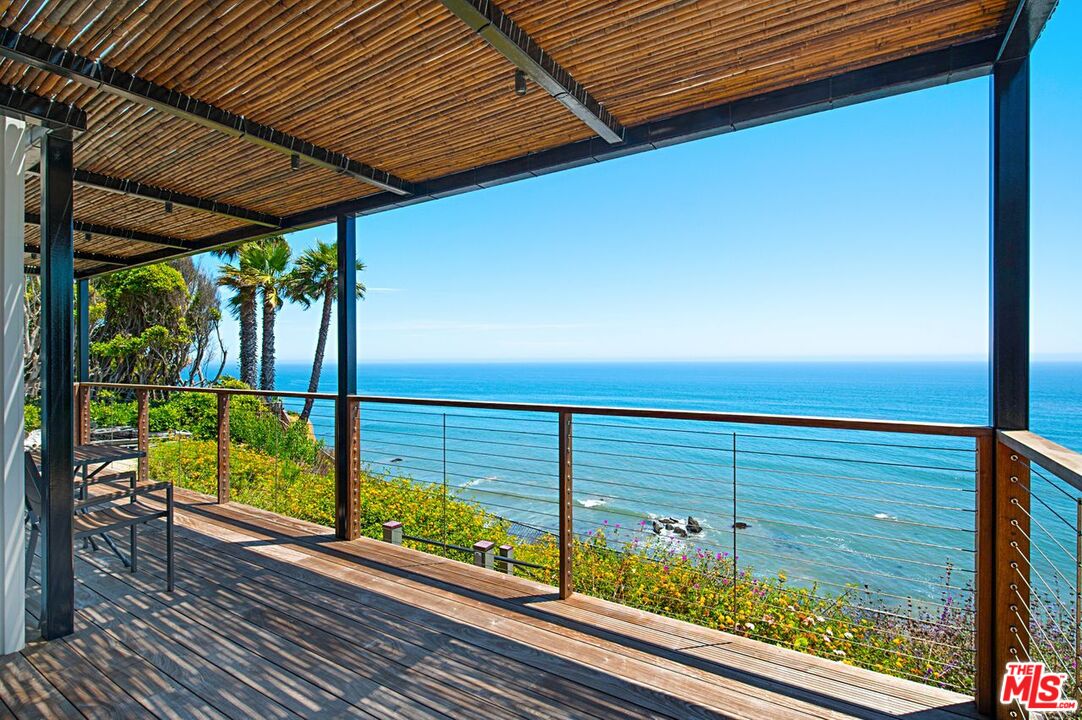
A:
(669, 526)
(680, 531)
(669, 521)
(693, 525)
(740, 526)
(657, 527)
(394, 460)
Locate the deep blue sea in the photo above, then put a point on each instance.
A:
(889, 513)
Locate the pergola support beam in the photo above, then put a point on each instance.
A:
(962, 62)
(124, 234)
(66, 63)
(101, 258)
(497, 29)
(23, 105)
(1027, 24)
(134, 188)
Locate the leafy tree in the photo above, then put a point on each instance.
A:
(140, 331)
(315, 278)
(204, 315)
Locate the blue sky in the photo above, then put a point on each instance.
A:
(861, 232)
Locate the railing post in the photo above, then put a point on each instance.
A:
(354, 468)
(1012, 563)
(142, 429)
(392, 532)
(82, 415)
(505, 553)
(567, 533)
(1003, 572)
(223, 447)
(483, 554)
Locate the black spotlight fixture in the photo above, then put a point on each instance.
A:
(86, 236)
(169, 206)
(520, 83)
(294, 162)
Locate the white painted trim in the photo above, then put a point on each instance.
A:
(12, 502)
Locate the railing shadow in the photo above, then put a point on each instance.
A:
(532, 606)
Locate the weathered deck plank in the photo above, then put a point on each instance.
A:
(274, 618)
(459, 574)
(289, 601)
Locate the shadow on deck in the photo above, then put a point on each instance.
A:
(273, 618)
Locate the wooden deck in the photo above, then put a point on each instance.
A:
(272, 618)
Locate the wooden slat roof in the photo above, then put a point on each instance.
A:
(406, 87)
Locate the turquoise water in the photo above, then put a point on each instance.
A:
(890, 513)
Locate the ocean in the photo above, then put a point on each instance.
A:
(890, 514)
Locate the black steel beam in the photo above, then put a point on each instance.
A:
(1027, 24)
(1009, 291)
(57, 393)
(125, 234)
(347, 368)
(15, 102)
(134, 188)
(124, 186)
(100, 258)
(507, 38)
(62, 61)
(899, 76)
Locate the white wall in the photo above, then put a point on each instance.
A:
(12, 570)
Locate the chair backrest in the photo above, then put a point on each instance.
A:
(32, 484)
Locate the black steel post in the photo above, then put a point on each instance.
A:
(1009, 262)
(57, 391)
(347, 371)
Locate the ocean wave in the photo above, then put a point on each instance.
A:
(592, 502)
(477, 481)
(884, 516)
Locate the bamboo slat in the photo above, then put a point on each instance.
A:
(404, 86)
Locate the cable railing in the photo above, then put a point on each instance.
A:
(875, 543)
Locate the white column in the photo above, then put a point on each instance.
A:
(12, 531)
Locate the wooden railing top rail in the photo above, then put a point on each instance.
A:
(212, 390)
(829, 423)
(1063, 463)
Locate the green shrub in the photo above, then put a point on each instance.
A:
(108, 410)
(252, 421)
(32, 417)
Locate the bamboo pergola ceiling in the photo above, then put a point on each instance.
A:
(295, 111)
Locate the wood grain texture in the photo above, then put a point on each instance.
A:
(385, 82)
(273, 616)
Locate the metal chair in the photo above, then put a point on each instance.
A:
(116, 509)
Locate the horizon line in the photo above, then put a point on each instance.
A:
(1050, 358)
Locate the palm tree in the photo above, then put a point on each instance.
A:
(315, 277)
(243, 280)
(270, 259)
